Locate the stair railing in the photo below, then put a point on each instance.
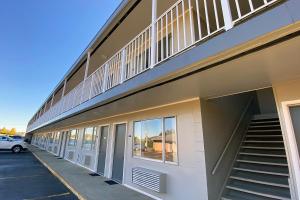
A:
(216, 167)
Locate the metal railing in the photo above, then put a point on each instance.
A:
(184, 24)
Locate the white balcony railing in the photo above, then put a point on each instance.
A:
(184, 24)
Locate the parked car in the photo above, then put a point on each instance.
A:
(8, 143)
(16, 137)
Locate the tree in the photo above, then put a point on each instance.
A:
(4, 130)
(12, 131)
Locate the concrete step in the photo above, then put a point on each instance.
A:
(259, 178)
(259, 191)
(262, 158)
(262, 154)
(264, 131)
(262, 163)
(264, 136)
(263, 141)
(263, 147)
(261, 172)
(263, 167)
(280, 152)
(237, 195)
(273, 122)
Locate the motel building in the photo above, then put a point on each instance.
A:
(185, 100)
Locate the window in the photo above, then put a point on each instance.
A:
(89, 138)
(3, 138)
(73, 136)
(170, 139)
(56, 137)
(50, 136)
(156, 139)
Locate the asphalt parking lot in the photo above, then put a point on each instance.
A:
(23, 177)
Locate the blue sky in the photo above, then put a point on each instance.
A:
(39, 41)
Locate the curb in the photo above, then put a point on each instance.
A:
(59, 177)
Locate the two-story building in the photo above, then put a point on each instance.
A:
(185, 99)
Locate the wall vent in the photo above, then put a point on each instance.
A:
(70, 155)
(149, 179)
(87, 160)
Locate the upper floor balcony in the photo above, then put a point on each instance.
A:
(138, 37)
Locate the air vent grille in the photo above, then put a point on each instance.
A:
(149, 179)
(70, 155)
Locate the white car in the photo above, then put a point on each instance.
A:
(8, 143)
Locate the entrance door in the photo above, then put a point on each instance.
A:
(63, 144)
(291, 114)
(295, 116)
(102, 150)
(118, 160)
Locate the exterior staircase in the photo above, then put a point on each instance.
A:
(260, 170)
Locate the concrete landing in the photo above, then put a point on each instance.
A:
(78, 180)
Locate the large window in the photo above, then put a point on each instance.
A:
(156, 139)
(56, 137)
(73, 136)
(50, 136)
(89, 138)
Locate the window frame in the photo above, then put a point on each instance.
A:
(76, 137)
(163, 160)
(94, 139)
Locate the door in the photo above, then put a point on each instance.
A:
(102, 150)
(295, 116)
(291, 114)
(4, 142)
(63, 144)
(118, 159)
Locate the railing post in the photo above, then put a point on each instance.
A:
(105, 77)
(153, 33)
(123, 63)
(85, 74)
(227, 14)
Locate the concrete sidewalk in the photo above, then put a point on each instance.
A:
(81, 183)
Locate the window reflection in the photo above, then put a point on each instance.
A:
(151, 141)
(137, 139)
(73, 135)
(170, 139)
(89, 138)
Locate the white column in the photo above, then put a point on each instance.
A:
(227, 14)
(52, 99)
(61, 109)
(123, 64)
(64, 89)
(105, 78)
(87, 65)
(85, 73)
(153, 33)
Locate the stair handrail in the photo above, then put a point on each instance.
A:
(232, 136)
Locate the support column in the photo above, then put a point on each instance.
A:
(85, 74)
(123, 64)
(64, 89)
(153, 33)
(105, 78)
(61, 109)
(227, 14)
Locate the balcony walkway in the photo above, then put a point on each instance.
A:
(81, 183)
